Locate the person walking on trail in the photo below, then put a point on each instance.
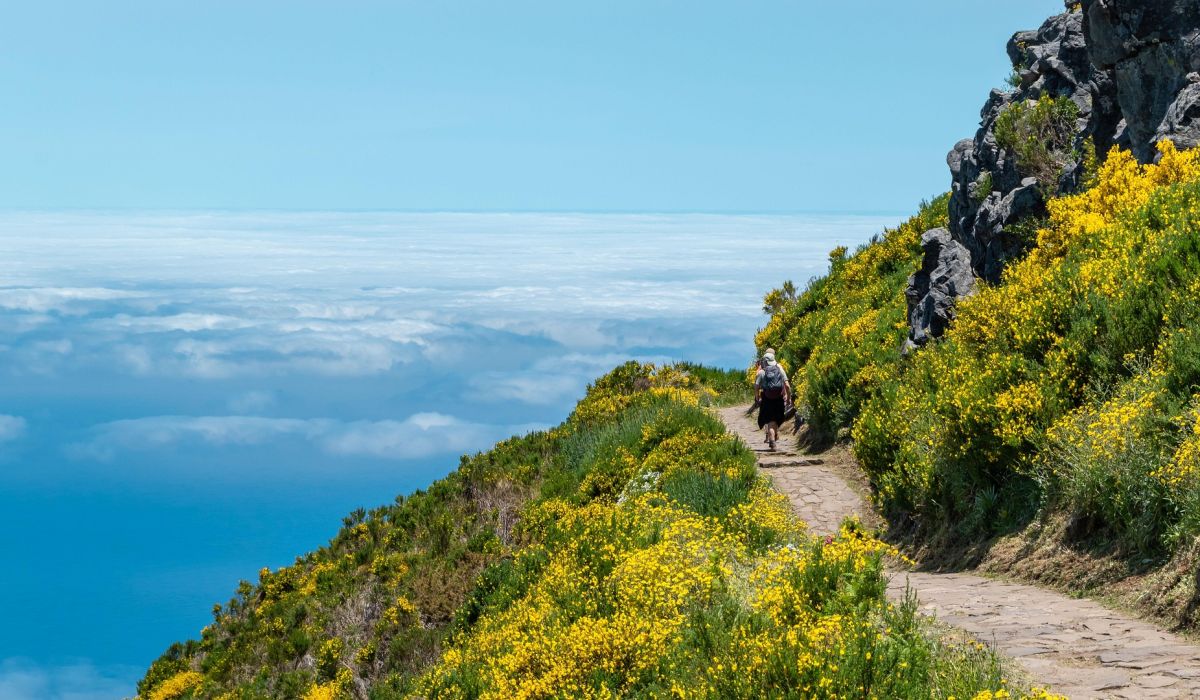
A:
(772, 391)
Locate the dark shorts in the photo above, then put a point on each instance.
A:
(770, 411)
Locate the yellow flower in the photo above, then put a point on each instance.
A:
(176, 685)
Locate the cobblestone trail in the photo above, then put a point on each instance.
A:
(1078, 648)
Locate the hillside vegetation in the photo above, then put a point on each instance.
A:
(844, 332)
(1068, 387)
(634, 551)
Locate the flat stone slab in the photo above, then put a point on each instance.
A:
(1076, 647)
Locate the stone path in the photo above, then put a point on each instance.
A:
(1076, 647)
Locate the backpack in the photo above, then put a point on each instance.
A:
(772, 382)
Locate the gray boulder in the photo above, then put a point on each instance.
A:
(994, 226)
(945, 275)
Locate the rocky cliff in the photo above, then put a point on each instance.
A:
(1104, 73)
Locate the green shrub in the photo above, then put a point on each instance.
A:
(983, 186)
(1040, 134)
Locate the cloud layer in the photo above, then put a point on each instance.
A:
(226, 386)
(419, 435)
(241, 329)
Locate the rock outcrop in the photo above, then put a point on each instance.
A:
(989, 191)
(931, 294)
(1151, 48)
(1131, 68)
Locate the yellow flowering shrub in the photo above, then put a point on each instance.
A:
(176, 686)
(638, 384)
(1184, 468)
(635, 550)
(1110, 429)
(844, 332)
(1082, 354)
(703, 584)
(337, 688)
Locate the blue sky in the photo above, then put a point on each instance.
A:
(545, 106)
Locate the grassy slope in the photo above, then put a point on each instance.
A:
(843, 333)
(1066, 392)
(632, 551)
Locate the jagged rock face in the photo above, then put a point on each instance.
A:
(945, 275)
(1182, 121)
(988, 190)
(1132, 67)
(1152, 48)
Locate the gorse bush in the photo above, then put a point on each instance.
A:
(1012, 399)
(1070, 385)
(702, 586)
(843, 333)
(645, 557)
(373, 608)
(1108, 460)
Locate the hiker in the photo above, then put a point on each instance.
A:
(772, 392)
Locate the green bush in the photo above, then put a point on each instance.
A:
(1040, 134)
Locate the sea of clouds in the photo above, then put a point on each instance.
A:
(190, 396)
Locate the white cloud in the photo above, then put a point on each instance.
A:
(337, 354)
(53, 347)
(60, 299)
(160, 432)
(337, 311)
(137, 358)
(22, 679)
(18, 323)
(534, 389)
(187, 322)
(11, 428)
(420, 435)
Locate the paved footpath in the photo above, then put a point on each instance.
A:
(1076, 647)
